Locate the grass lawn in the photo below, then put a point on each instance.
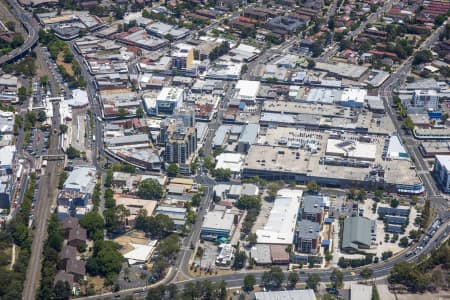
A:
(60, 62)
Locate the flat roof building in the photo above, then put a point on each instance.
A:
(231, 161)
(280, 226)
(441, 171)
(217, 224)
(360, 292)
(169, 99)
(246, 91)
(286, 295)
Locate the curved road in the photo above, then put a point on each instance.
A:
(31, 26)
(234, 280)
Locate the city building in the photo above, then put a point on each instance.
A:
(426, 98)
(286, 295)
(441, 171)
(176, 214)
(307, 237)
(180, 143)
(168, 100)
(231, 161)
(280, 226)
(183, 57)
(218, 224)
(248, 137)
(312, 208)
(402, 211)
(360, 292)
(357, 233)
(246, 92)
(7, 155)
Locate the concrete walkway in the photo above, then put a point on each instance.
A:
(13, 256)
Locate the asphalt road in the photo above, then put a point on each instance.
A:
(31, 27)
(235, 280)
(432, 190)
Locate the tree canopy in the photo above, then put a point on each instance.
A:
(158, 226)
(94, 225)
(273, 278)
(150, 189)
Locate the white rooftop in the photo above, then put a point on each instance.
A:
(232, 161)
(247, 89)
(219, 220)
(280, 226)
(360, 292)
(286, 295)
(444, 160)
(140, 253)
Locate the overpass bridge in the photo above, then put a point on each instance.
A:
(32, 28)
(54, 157)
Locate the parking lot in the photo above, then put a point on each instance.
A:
(37, 145)
(207, 261)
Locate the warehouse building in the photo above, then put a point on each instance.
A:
(357, 233)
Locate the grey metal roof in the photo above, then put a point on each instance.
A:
(311, 204)
(307, 229)
(249, 133)
(357, 230)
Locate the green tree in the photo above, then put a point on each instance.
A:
(313, 186)
(274, 187)
(337, 278)
(248, 202)
(115, 218)
(249, 283)
(150, 189)
(293, 279)
(414, 234)
(378, 195)
(109, 261)
(63, 291)
(422, 56)
(328, 255)
(366, 273)
(72, 153)
(122, 113)
(313, 281)
(109, 178)
(169, 246)
(173, 170)
(239, 260)
(94, 224)
(209, 162)
(404, 242)
(408, 123)
(362, 194)
(273, 278)
(252, 239)
(196, 200)
(22, 94)
(158, 226)
(394, 202)
(139, 112)
(63, 128)
(41, 116)
(222, 174)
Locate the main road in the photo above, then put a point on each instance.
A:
(235, 279)
(31, 26)
(439, 202)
